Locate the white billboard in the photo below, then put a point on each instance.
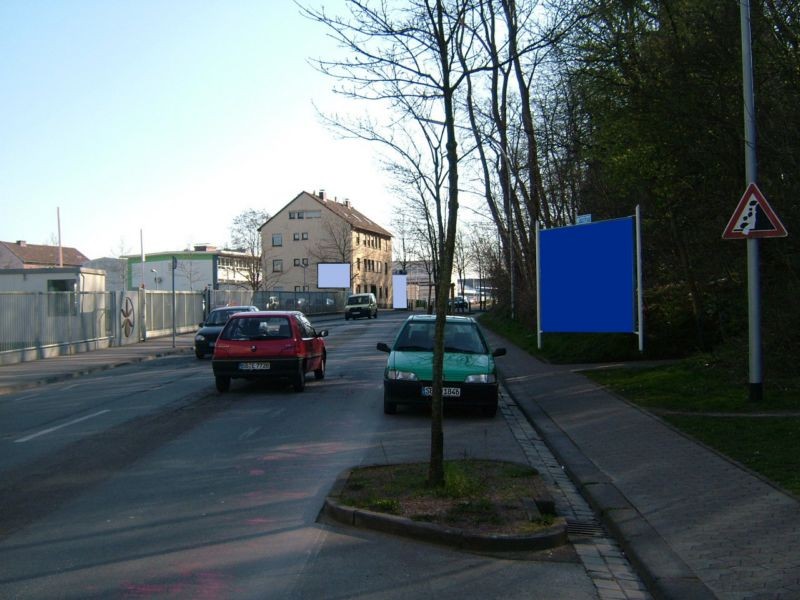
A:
(399, 292)
(333, 275)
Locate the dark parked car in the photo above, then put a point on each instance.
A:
(470, 376)
(206, 337)
(279, 345)
(460, 304)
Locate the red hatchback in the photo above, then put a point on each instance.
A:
(269, 345)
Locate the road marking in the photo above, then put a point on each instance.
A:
(52, 429)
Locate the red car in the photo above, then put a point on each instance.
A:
(269, 345)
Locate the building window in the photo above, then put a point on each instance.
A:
(277, 265)
(296, 262)
(305, 262)
(277, 239)
(305, 235)
(299, 214)
(292, 215)
(296, 237)
(298, 288)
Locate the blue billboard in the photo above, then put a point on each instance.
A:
(587, 278)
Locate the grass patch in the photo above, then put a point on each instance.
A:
(766, 445)
(478, 495)
(565, 348)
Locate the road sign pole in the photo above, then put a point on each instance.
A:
(751, 171)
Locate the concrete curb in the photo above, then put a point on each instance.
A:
(552, 537)
(666, 575)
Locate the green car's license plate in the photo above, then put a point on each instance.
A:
(254, 366)
(448, 392)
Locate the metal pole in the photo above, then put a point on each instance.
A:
(538, 288)
(174, 266)
(639, 285)
(751, 171)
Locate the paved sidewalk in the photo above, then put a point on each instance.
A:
(20, 376)
(694, 524)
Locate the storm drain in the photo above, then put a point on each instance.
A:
(585, 528)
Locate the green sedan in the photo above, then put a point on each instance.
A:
(470, 377)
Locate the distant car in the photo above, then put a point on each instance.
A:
(206, 337)
(470, 376)
(279, 345)
(361, 305)
(459, 304)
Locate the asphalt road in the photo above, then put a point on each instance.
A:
(143, 482)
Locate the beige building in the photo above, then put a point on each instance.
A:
(314, 229)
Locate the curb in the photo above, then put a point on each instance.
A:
(551, 537)
(666, 575)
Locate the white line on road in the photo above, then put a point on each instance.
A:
(52, 429)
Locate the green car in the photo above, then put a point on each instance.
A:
(470, 377)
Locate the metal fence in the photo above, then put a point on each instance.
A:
(311, 303)
(41, 324)
(44, 322)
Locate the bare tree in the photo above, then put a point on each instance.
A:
(246, 238)
(412, 59)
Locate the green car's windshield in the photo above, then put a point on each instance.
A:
(458, 338)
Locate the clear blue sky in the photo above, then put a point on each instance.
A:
(170, 116)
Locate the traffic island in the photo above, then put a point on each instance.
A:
(485, 506)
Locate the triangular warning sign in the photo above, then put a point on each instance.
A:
(753, 218)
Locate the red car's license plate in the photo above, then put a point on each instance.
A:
(254, 366)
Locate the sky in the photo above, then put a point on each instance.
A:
(169, 118)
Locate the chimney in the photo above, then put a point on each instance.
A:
(346, 202)
(322, 195)
(22, 243)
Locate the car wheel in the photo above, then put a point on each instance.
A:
(223, 384)
(490, 411)
(389, 407)
(198, 354)
(299, 382)
(347, 317)
(320, 373)
(376, 314)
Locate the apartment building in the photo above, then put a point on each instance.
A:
(314, 229)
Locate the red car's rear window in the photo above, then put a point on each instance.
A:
(257, 328)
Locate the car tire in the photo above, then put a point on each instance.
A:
(223, 383)
(299, 381)
(347, 317)
(199, 354)
(389, 407)
(489, 411)
(320, 373)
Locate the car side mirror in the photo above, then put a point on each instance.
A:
(201, 323)
(383, 347)
(499, 352)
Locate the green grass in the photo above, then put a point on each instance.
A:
(766, 445)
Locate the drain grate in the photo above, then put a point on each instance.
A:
(591, 528)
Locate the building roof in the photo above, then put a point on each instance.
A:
(44, 256)
(343, 210)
